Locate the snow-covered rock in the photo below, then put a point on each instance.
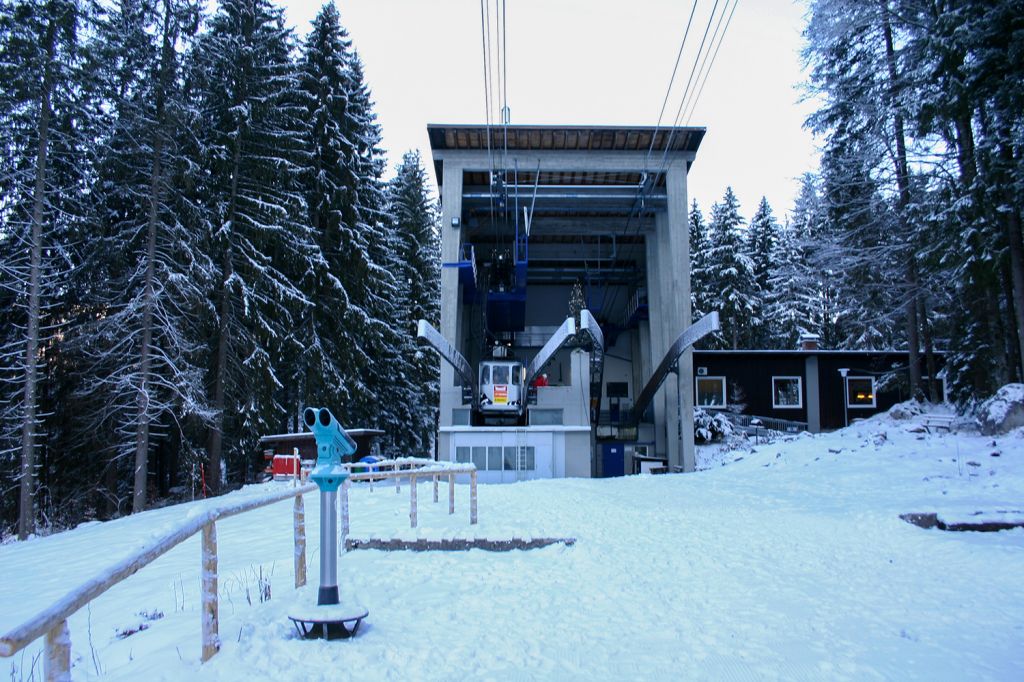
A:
(1002, 412)
(906, 410)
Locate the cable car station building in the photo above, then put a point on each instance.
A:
(530, 215)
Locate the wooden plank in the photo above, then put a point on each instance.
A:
(472, 498)
(210, 622)
(435, 488)
(455, 544)
(451, 493)
(299, 518)
(108, 576)
(57, 664)
(345, 528)
(412, 500)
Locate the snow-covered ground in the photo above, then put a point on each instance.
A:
(788, 562)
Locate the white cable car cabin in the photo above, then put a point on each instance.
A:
(501, 388)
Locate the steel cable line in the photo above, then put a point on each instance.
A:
(668, 90)
(707, 73)
(647, 184)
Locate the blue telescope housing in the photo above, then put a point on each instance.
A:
(332, 443)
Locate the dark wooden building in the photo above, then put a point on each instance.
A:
(823, 389)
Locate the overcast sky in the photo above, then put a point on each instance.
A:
(596, 63)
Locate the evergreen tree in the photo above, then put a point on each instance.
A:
(415, 222)
(698, 258)
(347, 204)
(252, 151)
(147, 273)
(46, 117)
(762, 240)
(729, 273)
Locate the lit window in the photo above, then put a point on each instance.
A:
(860, 392)
(787, 393)
(710, 391)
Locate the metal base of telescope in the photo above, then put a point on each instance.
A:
(328, 621)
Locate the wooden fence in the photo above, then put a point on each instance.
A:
(415, 469)
(53, 621)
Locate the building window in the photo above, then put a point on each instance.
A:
(460, 416)
(480, 457)
(787, 392)
(710, 391)
(860, 392)
(616, 389)
(510, 458)
(494, 458)
(462, 454)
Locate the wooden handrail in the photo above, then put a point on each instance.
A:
(52, 621)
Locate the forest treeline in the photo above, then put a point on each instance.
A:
(196, 241)
(909, 234)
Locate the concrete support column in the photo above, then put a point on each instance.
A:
(451, 239)
(656, 343)
(813, 394)
(679, 246)
(669, 310)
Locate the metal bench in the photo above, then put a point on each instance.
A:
(938, 421)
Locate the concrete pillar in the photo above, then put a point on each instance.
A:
(679, 247)
(451, 304)
(670, 312)
(656, 345)
(813, 394)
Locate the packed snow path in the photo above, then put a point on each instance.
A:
(791, 563)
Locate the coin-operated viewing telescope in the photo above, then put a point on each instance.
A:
(332, 443)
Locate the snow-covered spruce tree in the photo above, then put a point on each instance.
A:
(252, 136)
(415, 222)
(960, 59)
(762, 240)
(729, 274)
(147, 273)
(46, 118)
(698, 256)
(380, 403)
(333, 356)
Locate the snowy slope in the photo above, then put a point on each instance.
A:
(790, 563)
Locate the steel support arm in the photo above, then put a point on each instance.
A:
(695, 332)
(425, 333)
(561, 337)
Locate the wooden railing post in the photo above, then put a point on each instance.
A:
(398, 487)
(344, 512)
(412, 500)
(472, 497)
(300, 542)
(435, 488)
(451, 493)
(211, 639)
(57, 665)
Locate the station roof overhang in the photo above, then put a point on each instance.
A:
(658, 141)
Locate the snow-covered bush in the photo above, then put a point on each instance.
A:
(710, 427)
(1002, 412)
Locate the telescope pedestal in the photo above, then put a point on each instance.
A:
(328, 621)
